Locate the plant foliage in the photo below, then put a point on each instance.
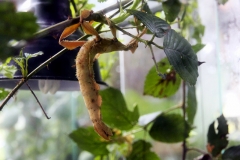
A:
(181, 56)
(160, 87)
(181, 64)
(115, 112)
(166, 126)
(14, 26)
(217, 137)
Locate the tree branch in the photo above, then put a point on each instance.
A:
(60, 26)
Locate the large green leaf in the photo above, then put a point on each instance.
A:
(157, 86)
(141, 150)
(115, 112)
(14, 26)
(156, 25)
(181, 56)
(217, 138)
(170, 128)
(87, 139)
(171, 9)
(191, 104)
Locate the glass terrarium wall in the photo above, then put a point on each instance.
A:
(219, 81)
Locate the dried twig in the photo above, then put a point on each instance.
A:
(37, 101)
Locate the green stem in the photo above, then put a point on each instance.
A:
(173, 108)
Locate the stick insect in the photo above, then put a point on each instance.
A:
(84, 66)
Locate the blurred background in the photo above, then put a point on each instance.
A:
(25, 133)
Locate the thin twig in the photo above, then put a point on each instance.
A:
(160, 47)
(129, 34)
(23, 80)
(37, 101)
(173, 108)
(60, 26)
(115, 6)
(184, 118)
(125, 6)
(154, 60)
(41, 66)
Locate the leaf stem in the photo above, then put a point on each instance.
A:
(160, 47)
(173, 108)
(37, 101)
(154, 60)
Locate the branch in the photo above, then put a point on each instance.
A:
(23, 80)
(37, 101)
(184, 118)
(60, 26)
(154, 60)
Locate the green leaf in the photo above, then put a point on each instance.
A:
(101, 1)
(32, 55)
(3, 93)
(191, 104)
(232, 153)
(217, 138)
(198, 32)
(14, 26)
(197, 47)
(222, 1)
(171, 9)
(141, 150)
(156, 86)
(170, 128)
(115, 112)
(156, 25)
(7, 70)
(87, 139)
(21, 63)
(29, 56)
(181, 56)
